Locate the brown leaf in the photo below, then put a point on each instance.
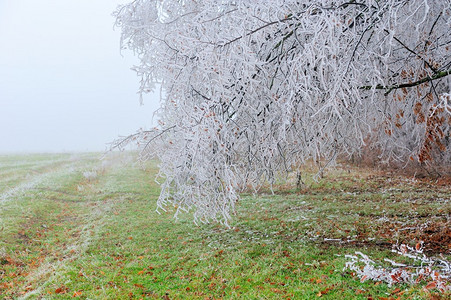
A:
(76, 294)
(418, 246)
(395, 278)
(397, 290)
(61, 290)
(323, 292)
(431, 285)
(436, 275)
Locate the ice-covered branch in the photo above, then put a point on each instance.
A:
(254, 89)
(425, 79)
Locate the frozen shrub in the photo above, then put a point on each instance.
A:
(435, 272)
(90, 175)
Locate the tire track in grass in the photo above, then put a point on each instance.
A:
(87, 230)
(51, 270)
(9, 199)
(42, 173)
(23, 167)
(31, 161)
(28, 218)
(25, 186)
(20, 170)
(55, 168)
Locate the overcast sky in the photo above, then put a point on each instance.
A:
(64, 85)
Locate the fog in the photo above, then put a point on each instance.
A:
(64, 85)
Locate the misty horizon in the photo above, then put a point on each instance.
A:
(65, 86)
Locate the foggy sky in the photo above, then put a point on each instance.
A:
(64, 85)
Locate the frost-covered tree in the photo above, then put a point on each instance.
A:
(251, 89)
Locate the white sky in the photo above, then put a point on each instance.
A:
(63, 84)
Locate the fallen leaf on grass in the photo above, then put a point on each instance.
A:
(142, 272)
(323, 292)
(436, 275)
(418, 246)
(358, 292)
(396, 291)
(77, 294)
(62, 290)
(395, 278)
(5, 285)
(431, 285)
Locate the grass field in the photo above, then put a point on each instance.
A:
(66, 233)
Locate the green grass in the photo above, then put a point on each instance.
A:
(62, 235)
